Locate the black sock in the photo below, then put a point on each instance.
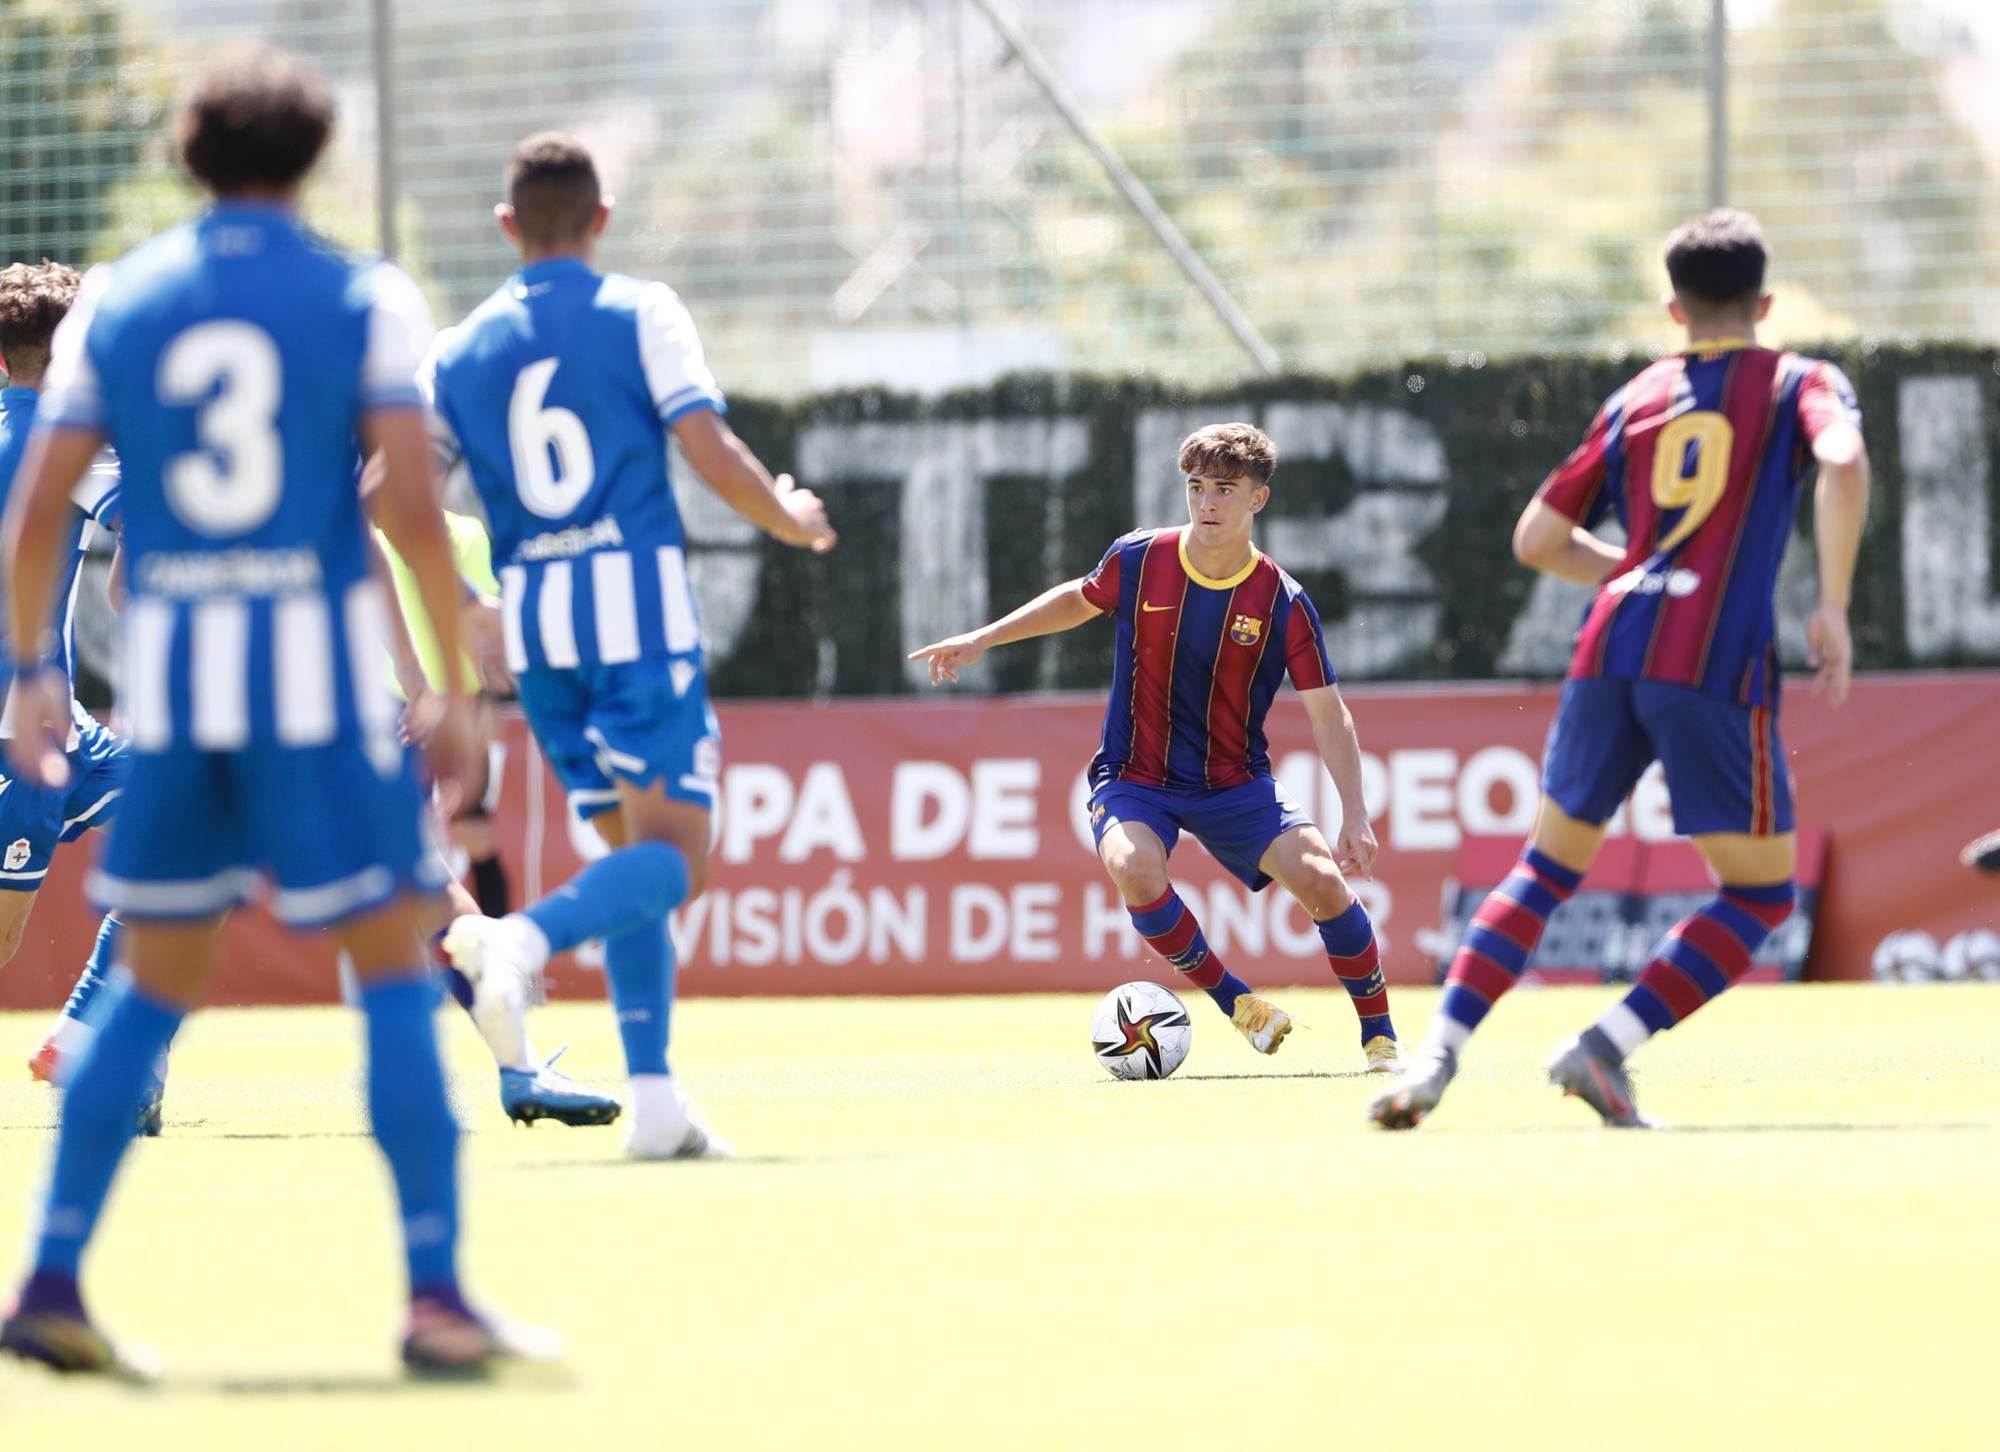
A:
(489, 887)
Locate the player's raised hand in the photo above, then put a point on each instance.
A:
(1354, 852)
(947, 658)
(1830, 652)
(41, 726)
(810, 529)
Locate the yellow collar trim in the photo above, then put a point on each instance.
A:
(1256, 558)
(1720, 345)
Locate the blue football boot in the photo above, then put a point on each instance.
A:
(542, 1093)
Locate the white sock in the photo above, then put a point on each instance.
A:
(1624, 1028)
(656, 1098)
(1445, 1033)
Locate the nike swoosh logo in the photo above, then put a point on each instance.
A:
(1149, 609)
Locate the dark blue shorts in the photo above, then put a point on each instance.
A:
(1725, 764)
(1236, 824)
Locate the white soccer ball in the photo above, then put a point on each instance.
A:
(1972, 954)
(1906, 957)
(1140, 1031)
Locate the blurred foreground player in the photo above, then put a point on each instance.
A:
(33, 818)
(1701, 457)
(560, 392)
(1208, 629)
(232, 362)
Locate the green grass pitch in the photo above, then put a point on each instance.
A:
(950, 1229)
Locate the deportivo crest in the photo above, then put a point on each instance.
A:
(1246, 630)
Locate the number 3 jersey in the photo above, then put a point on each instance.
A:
(230, 362)
(558, 392)
(1700, 457)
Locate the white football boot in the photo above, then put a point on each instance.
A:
(501, 958)
(662, 1125)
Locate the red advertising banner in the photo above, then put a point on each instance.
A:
(938, 845)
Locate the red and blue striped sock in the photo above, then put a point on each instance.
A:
(1357, 963)
(1498, 943)
(1698, 959)
(1172, 932)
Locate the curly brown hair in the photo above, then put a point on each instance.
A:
(257, 117)
(1230, 451)
(33, 299)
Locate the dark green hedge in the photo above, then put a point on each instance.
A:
(1502, 425)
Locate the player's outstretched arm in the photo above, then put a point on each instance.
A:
(1840, 509)
(33, 539)
(1340, 748)
(1546, 539)
(1049, 613)
(787, 513)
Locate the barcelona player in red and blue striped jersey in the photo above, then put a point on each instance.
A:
(1701, 458)
(1209, 628)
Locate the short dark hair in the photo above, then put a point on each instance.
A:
(1716, 261)
(256, 117)
(33, 299)
(1229, 451)
(552, 187)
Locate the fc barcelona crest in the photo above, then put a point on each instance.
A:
(1246, 630)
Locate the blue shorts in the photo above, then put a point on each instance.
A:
(34, 819)
(600, 724)
(337, 833)
(1236, 824)
(1725, 764)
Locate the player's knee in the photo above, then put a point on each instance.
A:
(1140, 876)
(697, 876)
(1325, 893)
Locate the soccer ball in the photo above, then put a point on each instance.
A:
(1972, 954)
(1140, 1031)
(1906, 957)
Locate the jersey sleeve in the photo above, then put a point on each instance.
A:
(446, 450)
(1825, 399)
(1306, 660)
(72, 393)
(1102, 585)
(677, 374)
(1576, 489)
(97, 493)
(400, 331)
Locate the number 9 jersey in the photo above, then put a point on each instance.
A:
(558, 392)
(1700, 457)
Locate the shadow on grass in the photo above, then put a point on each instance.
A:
(276, 1133)
(1945, 1127)
(536, 1377)
(623, 1163)
(1297, 1074)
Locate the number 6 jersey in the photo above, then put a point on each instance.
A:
(558, 392)
(230, 362)
(1700, 457)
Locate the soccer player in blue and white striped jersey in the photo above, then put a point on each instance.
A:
(560, 392)
(35, 819)
(232, 362)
